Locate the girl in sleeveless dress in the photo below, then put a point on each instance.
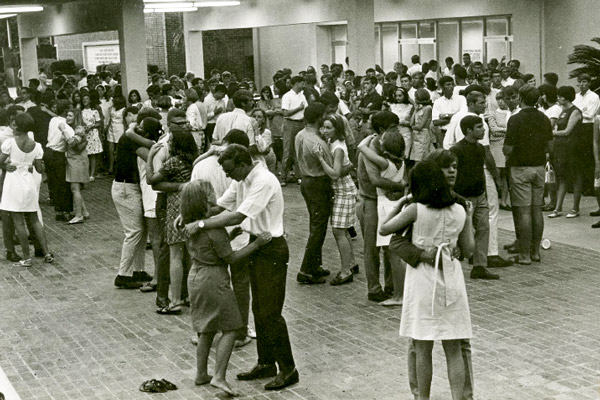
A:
(20, 156)
(77, 166)
(422, 140)
(345, 192)
(399, 104)
(92, 122)
(435, 296)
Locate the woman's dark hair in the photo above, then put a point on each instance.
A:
(196, 199)
(527, 77)
(428, 185)
(393, 99)
(4, 120)
(264, 90)
(393, 146)
(382, 120)
(152, 128)
(76, 93)
(62, 107)
(94, 98)
(550, 92)
(338, 125)
(119, 102)
(264, 115)
(132, 92)
(164, 102)
(236, 153)
(184, 146)
(24, 122)
(568, 92)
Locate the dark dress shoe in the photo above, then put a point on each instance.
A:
(355, 269)
(308, 279)
(480, 272)
(258, 372)
(127, 282)
(595, 213)
(320, 271)
(12, 256)
(162, 302)
(388, 291)
(498, 262)
(283, 380)
(378, 297)
(142, 276)
(596, 225)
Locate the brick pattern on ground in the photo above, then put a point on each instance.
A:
(67, 333)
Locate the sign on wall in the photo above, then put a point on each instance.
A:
(99, 53)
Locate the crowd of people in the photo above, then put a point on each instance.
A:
(422, 157)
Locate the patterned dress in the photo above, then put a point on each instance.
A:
(175, 170)
(422, 140)
(94, 144)
(345, 192)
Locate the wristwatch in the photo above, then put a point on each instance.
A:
(201, 224)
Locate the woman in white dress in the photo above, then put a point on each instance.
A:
(20, 155)
(435, 296)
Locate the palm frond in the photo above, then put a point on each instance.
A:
(588, 57)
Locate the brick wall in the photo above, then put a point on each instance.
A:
(229, 50)
(69, 46)
(175, 43)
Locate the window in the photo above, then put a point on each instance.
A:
(484, 38)
(339, 41)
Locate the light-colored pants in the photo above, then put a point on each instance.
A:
(128, 201)
(290, 130)
(481, 224)
(493, 204)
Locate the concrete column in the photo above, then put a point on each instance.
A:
(256, 56)
(194, 53)
(361, 37)
(29, 60)
(132, 45)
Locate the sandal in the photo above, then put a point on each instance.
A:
(174, 309)
(49, 258)
(153, 386)
(24, 263)
(555, 214)
(168, 385)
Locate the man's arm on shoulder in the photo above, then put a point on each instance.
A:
(375, 177)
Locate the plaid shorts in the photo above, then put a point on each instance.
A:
(344, 203)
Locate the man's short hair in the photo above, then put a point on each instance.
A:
(449, 59)
(460, 72)
(473, 88)
(350, 72)
(236, 153)
(221, 88)
(405, 76)
(473, 96)
(373, 80)
(584, 77)
(445, 79)
(568, 92)
(297, 79)
(62, 106)
(415, 59)
(550, 91)
(313, 112)
(370, 70)
(469, 122)
(529, 95)
(237, 136)
(241, 97)
(382, 120)
(147, 112)
(551, 78)
(226, 74)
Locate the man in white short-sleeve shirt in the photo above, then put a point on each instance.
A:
(256, 198)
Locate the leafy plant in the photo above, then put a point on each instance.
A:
(589, 59)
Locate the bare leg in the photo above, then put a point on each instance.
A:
(92, 159)
(352, 258)
(224, 350)
(176, 271)
(21, 231)
(398, 274)
(456, 368)
(423, 349)
(345, 249)
(560, 196)
(77, 199)
(202, 351)
(577, 184)
(111, 156)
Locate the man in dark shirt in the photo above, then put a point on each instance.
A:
(470, 183)
(528, 135)
(41, 115)
(370, 103)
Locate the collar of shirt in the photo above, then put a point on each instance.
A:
(239, 111)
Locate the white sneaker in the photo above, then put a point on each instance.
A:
(391, 303)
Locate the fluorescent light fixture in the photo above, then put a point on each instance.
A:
(148, 10)
(171, 5)
(4, 16)
(216, 3)
(163, 1)
(20, 9)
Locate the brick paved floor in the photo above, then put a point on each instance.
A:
(67, 333)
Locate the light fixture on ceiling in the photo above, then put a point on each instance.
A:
(179, 4)
(184, 5)
(4, 16)
(216, 3)
(19, 9)
(175, 9)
